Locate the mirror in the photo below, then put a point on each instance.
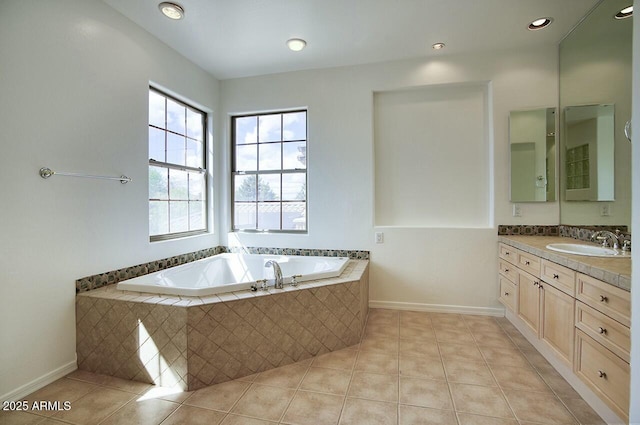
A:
(532, 140)
(595, 155)
(589, 153)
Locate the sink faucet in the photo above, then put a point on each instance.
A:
(607, 237)
(277, 273)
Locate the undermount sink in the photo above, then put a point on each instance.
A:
(588, 250)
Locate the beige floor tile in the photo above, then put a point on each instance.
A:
(249, 378)
(413, 415)
(189, 415)
(419, 348)
(450, 350)
(539, 407)
(343, 359)
(521, 342)
(488, 326)
(419, 319)
(374, 387)
(382, 330)
(244, 420)
(95, 406)
(421, 367)
(220, 397)
(468, 372)
(51, 421)
(382, 344)
(288, 376)
(309, 408)
(559, 385)
(455, 325)
(518, 378)
(501, 356)
(146, 412)
(383, 320)
(480, 400)
(19, 418)
(264, 402)
(367, 412)
(493, 340)
(538, 361)
(333, 381)
(374, 362)
(469, 419)
(110, 381)
(583, 412)
(425, 393)
(61, 390)
(417, 332)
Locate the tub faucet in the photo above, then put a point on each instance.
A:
(277, 273)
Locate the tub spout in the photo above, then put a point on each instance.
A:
(277, 273)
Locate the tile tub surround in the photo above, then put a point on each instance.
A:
(419, 376)
(192, 342)
(100, 280)
(614, 271)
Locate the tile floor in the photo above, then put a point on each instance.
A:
(410, 368)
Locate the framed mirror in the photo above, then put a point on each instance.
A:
(532, 143)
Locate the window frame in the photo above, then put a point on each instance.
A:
(172, 166)
(259, 173)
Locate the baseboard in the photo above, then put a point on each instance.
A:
(608, 415)
(40, 382)
(438, 308)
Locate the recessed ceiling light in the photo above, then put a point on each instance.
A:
(296, 44)
(624, 13)
(540, 23)
(171, 10)
(438, 46)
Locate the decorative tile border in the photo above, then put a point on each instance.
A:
(584, 233)
(527, 230)
(112, 277)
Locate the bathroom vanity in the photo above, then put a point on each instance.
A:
(575, 310)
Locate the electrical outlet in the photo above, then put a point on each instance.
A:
(517, 210)
(379, 237)
(605, 210)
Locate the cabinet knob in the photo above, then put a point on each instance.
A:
(555, 276)
(506, 270)
(602, 331)
(506, 293)
(527, 263)
(536, 284)
(603, 299)
(602, 374)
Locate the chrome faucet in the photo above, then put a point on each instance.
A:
(277, 273)
(608, 237)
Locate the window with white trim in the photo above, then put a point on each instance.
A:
(269, 172)
(177, 168)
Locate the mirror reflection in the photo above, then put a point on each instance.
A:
(595, 155)
(532, 139)
(589, 153)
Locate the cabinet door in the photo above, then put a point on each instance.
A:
(529, 300)
(556, 321)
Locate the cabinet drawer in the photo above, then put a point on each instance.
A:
(613, 335)
(559, 277)
(605, 298)
(508, 253)
(604, 372)
(508, 270)
(529, 263)
(508, 294)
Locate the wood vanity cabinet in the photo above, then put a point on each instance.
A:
(545, 301)
(585, 322)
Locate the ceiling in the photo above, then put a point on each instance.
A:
(238, 38)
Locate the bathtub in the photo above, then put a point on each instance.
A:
(232, 272)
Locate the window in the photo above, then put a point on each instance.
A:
(177, 174)
(269, 172)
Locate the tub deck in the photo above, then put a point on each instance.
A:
(192, 342)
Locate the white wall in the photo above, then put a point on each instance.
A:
(423, 265)
(74, 77)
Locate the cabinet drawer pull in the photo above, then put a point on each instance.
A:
(602, 374)
(603, 299)
(526, 263)
(536, 284)
(506, 270)
(555, 276)
(506, 253)
(602, 330)
(506, 293)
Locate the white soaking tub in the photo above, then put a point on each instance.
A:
(232, 272)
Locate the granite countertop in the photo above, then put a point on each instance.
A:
(614, 271)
